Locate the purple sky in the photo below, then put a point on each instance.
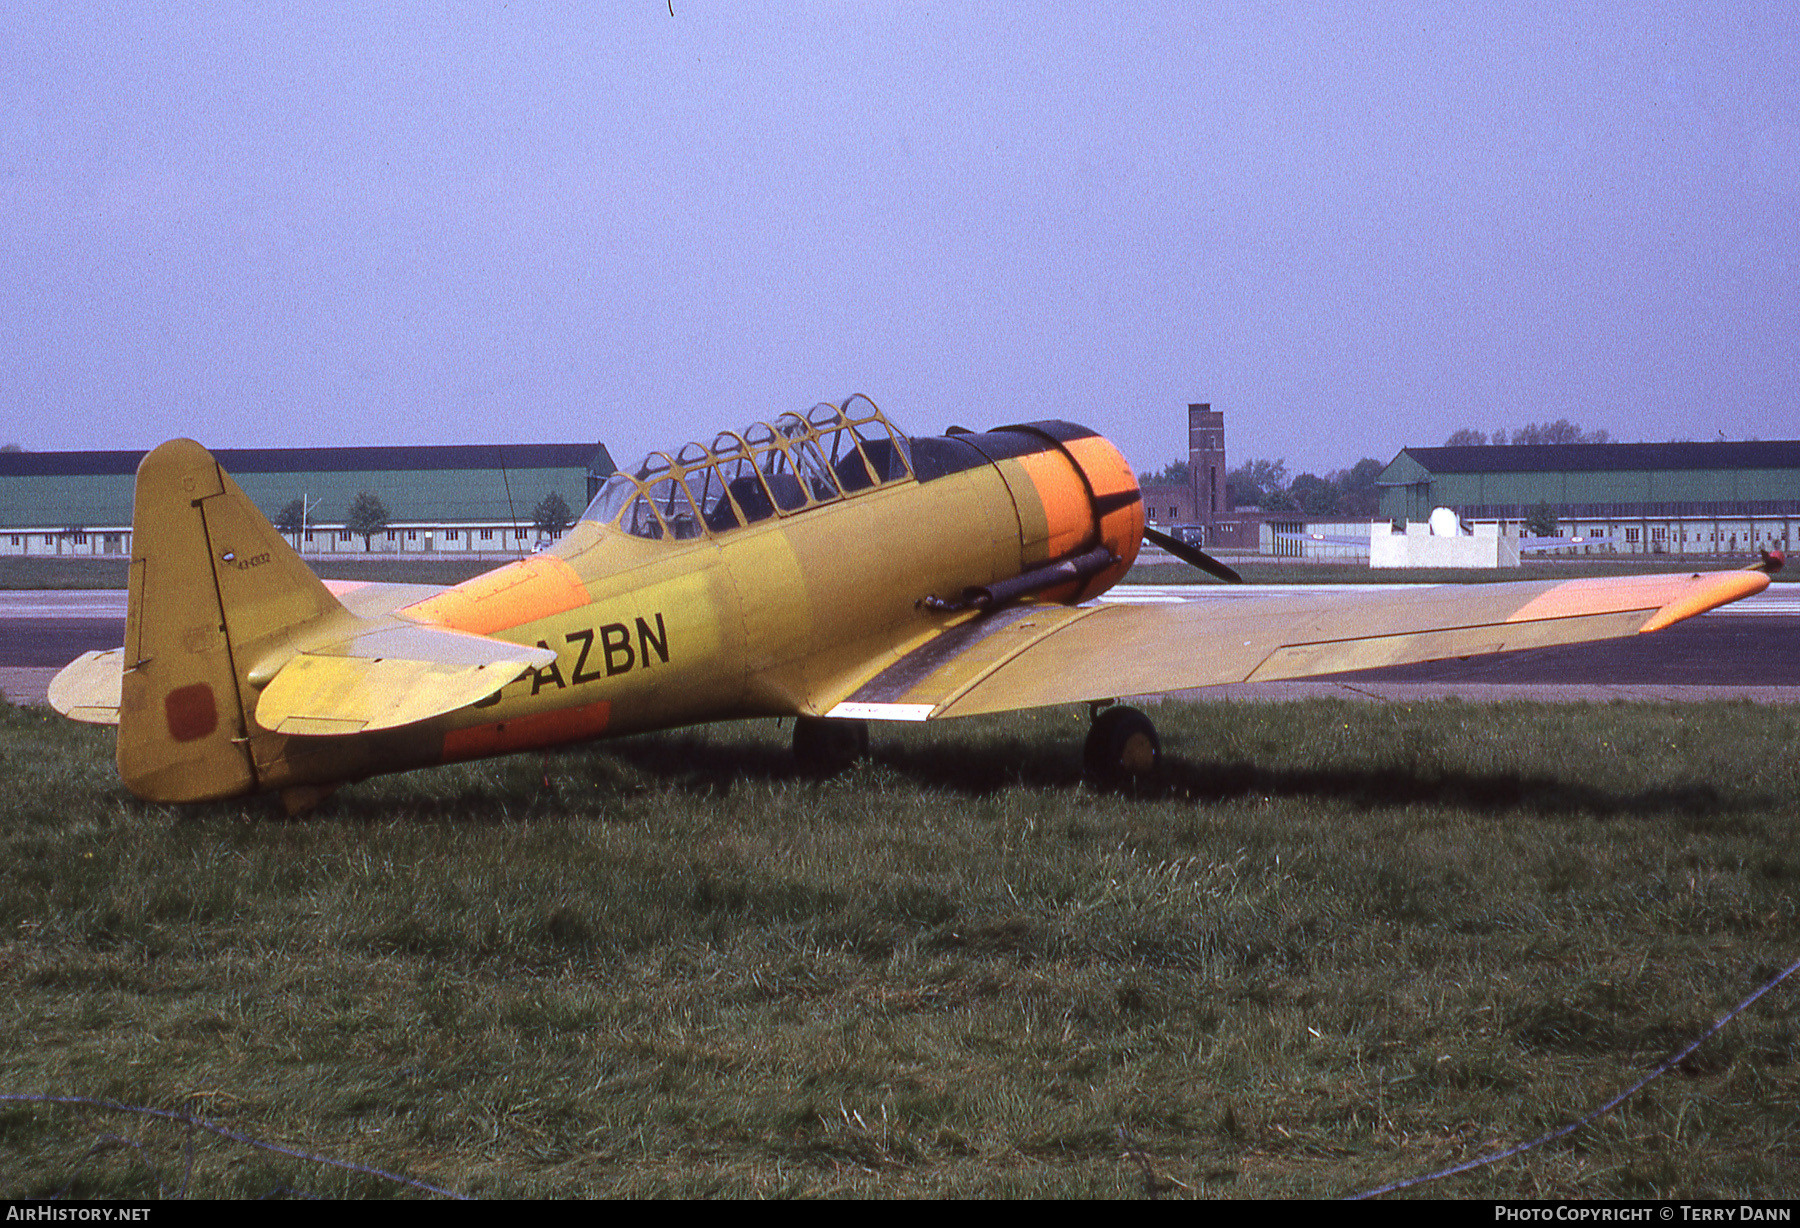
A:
(262, 224)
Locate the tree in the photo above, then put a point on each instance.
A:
(551, 515)
(1314, 495)
(368, 516)
(1542, 520)
(1358, 495)
(1560, 431)
(1342, 492)
(1175, 473)
(292, 518)
(1564, 431)
(11, 447)
(1256, 482)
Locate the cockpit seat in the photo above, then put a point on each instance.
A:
(751, 496)
(852, 474)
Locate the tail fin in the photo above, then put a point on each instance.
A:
(213, 590)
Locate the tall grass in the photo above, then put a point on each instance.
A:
(1334, 945)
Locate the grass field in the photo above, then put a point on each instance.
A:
(1334, 946)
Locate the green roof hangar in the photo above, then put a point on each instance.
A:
(462, 499)
(1648, 498)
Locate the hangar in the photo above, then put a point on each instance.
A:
(467, 499)
(1650, 498)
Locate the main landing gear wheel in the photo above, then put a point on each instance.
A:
(1122, 749)
(826, 747)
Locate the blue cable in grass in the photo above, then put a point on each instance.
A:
(233, 1135)
(1668, 1064)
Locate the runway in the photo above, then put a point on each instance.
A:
(1749, 650)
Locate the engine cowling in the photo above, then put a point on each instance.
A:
(1074, 492)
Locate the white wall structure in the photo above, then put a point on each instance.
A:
(1443, 542)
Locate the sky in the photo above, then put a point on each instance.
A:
(1350, 228)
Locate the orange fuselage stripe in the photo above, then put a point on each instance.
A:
(518, 593)
(528, 732)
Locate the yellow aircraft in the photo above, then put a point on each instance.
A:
(823, 566)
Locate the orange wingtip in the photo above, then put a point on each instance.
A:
(1716, 591)
(1668, 598)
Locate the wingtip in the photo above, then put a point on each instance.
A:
(1709, 593)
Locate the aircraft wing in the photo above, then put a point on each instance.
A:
(1025, 656)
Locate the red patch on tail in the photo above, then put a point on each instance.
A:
(191, 712)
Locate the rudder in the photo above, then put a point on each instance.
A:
(214, 590)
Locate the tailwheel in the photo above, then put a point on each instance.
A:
(826, 747)
(296, 800)
(1122, 749)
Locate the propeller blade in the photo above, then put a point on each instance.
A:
(1187, 554)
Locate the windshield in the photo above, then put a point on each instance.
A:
(769, 469)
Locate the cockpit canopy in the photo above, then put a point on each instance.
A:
(770, 469)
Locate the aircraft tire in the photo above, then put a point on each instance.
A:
(826, 747)
(1122, 749)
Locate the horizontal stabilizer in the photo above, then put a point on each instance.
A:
(87, 689)
(388, 677)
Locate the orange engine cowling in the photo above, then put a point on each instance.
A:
(1082, 488)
